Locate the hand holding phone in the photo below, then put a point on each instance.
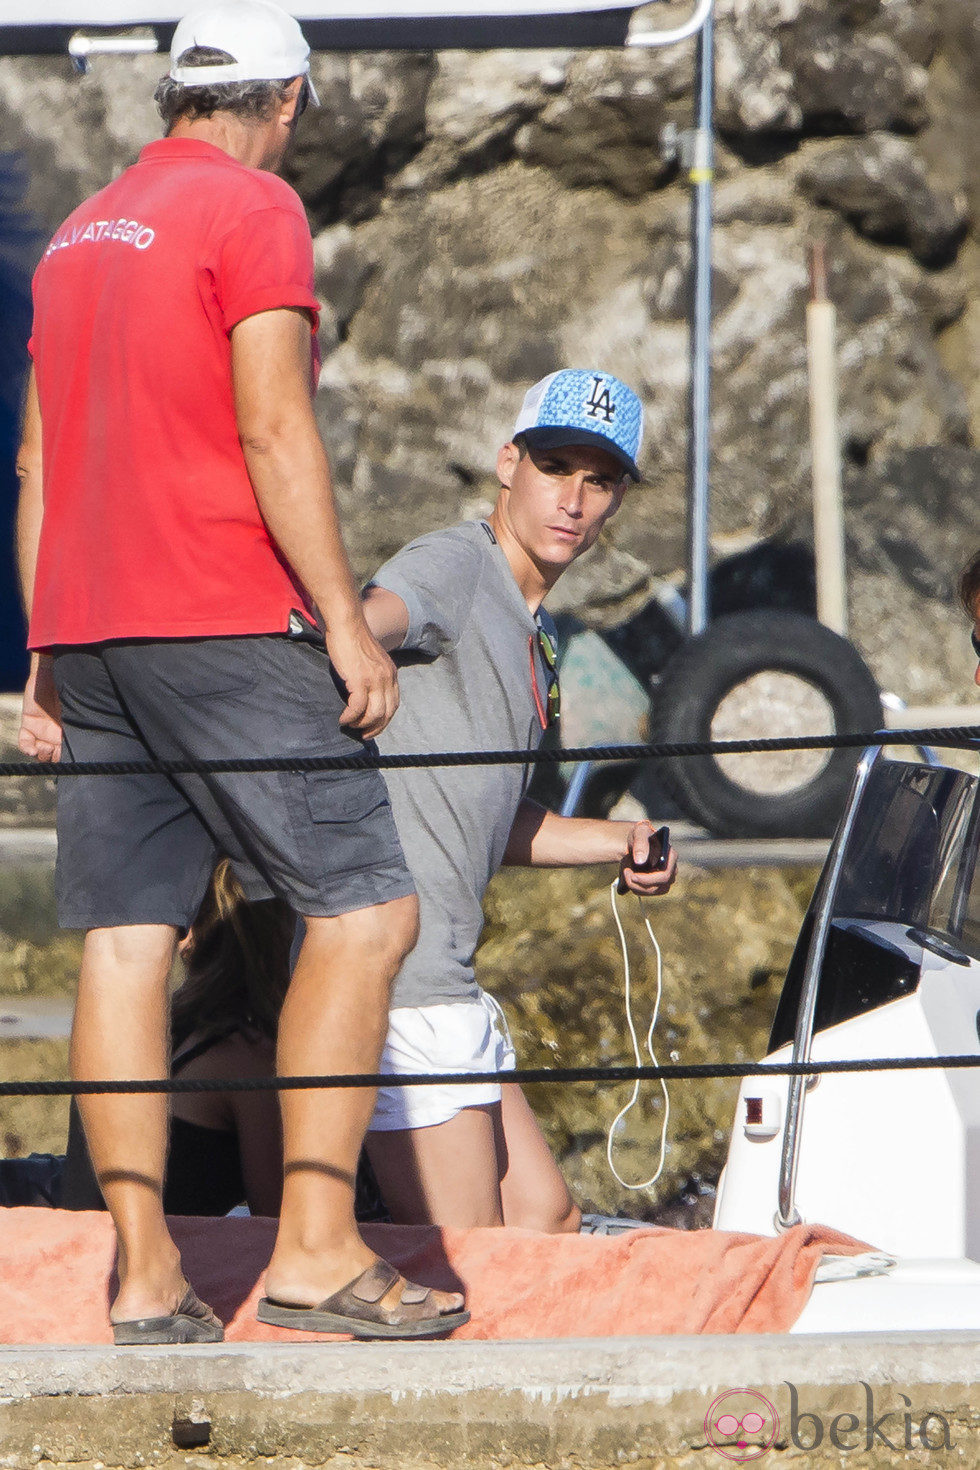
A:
(651, 863)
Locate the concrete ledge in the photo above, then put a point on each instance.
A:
(28, 845)
(932, 716)
(587, 1403)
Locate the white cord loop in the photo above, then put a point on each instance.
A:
(647, 1183)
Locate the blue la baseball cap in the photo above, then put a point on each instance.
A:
(584, 406)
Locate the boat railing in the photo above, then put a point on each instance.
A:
(787, 1215)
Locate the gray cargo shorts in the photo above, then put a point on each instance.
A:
(141, 849)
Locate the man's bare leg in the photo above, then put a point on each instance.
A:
(121, 1031)
(532, 1187)
(487, 1165)
(447, 1174)
(334, 1020)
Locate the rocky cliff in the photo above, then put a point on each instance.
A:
(481, 219)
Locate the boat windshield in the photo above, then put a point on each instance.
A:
(908, 883)
(912, 857)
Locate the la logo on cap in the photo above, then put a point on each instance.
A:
(599, 404)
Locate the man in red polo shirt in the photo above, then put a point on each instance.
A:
(190, 597)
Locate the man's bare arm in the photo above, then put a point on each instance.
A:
(30, 503)
(40, 724)
(288, 467)
(542, 839)
(387, 617)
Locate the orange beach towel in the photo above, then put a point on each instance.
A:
(56, 1267)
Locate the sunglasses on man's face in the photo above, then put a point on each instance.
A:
(302, 100)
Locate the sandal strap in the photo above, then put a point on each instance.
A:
(366, 1291)
(370, 1286)
(192, 1306)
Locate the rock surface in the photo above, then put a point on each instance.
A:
(482, 219)
(881, 185)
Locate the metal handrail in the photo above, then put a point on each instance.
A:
(787, 1215)
(680, 33)
(82, 46)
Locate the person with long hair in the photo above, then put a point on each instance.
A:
(225, 1147)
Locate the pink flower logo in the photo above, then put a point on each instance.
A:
(741, 1424)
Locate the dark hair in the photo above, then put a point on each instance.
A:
(248, 100)
(237, 963)
(970, 586)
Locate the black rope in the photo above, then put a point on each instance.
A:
(674, 1072)
(951, 737)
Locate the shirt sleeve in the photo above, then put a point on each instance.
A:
(265, 262)
(436, 578)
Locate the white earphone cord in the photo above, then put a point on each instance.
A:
(636, 1048)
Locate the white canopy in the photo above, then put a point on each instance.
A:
(148, 12)
(28, 26)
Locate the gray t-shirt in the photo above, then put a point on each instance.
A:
(466, 682)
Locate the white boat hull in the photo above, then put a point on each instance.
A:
(916, 1296)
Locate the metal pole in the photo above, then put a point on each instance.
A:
(828, 509)
(698, 157)
(576, 789)
(787, 1215)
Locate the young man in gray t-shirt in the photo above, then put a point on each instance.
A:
(476, 657)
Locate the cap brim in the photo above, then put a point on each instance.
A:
(564, 438)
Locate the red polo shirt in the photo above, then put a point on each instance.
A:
(151, 528)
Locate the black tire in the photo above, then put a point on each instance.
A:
(606, 785)
(721, 660)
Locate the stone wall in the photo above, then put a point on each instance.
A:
(482, 219)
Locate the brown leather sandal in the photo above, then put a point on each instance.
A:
(193, 1321)
(357, 1309)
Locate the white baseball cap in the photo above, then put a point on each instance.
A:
(265, 41)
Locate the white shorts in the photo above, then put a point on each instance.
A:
(464, 1036)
